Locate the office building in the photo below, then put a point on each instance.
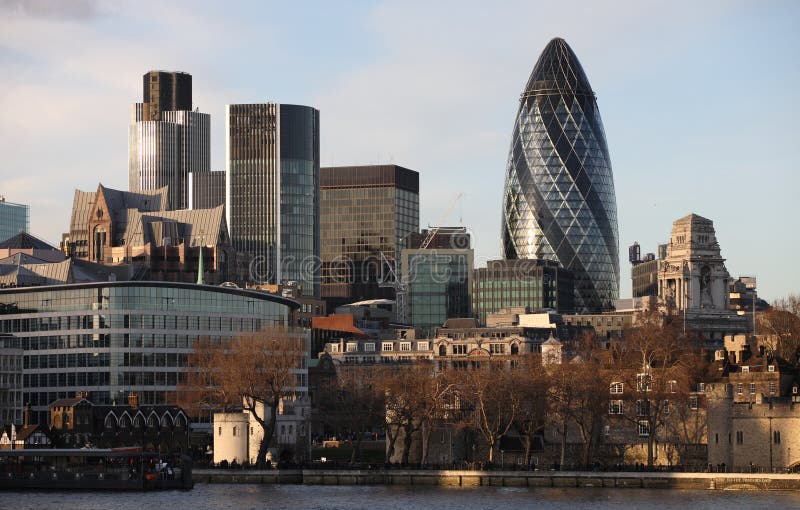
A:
(206, 190)
(14, 218)
(559, 201)
(437, 280)
(109, 339)
(272, 191)
(166, 139)
(644, 272)
(528, 283)
(367, 214)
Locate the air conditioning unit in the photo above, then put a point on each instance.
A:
(794, 390)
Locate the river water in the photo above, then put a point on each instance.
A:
(325, 497)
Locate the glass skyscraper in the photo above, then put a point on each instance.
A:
(166, 139)
(272, 191)
(559, 201)
(14, 218)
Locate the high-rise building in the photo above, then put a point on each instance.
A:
(272, 191)
(165, 91)
(166, 139)
(559, 201)
(366, 214)
(437, 281)
(206, 190)
(522, 283)
(14, 218)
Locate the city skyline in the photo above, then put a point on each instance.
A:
(715, 148)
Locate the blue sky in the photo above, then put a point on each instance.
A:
(699, 102)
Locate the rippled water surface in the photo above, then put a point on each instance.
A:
(294, 497)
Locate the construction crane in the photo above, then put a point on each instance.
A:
(394, 278)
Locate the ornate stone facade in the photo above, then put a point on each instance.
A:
(693, 280)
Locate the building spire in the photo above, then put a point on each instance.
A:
(200, 272)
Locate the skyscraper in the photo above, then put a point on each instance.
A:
(272, 190)
(559, 202)
(166, 139)
(14, 218)
(366, 212)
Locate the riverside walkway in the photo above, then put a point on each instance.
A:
(647, 480)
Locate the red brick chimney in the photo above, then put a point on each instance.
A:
(26, 415)
(133, 399)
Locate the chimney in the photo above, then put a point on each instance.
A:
(81, 394)
(133, 399)
(26, 415)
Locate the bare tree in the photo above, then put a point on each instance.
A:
(590, 384)
(531, 383)
(492, 392)
(253, 372)
(655, 365)
(354, 403)
(783, 329)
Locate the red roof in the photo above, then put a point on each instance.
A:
(344, 323)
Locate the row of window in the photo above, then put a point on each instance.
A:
(643, 407)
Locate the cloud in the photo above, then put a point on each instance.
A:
(80, 10)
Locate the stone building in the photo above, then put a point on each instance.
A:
(693, 280)
(238, 436)
(113, 227)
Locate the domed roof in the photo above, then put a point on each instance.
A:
(558, 71)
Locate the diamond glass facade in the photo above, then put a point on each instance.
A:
(559, 201)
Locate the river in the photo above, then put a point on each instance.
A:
(325, 497)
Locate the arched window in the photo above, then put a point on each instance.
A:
(124, 422)
(442, 350)
(110, 421)
(151, 421)
(235, 430)
(514, 349)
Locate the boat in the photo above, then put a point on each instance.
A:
(93, 469)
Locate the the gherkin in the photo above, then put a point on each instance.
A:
(559, 201)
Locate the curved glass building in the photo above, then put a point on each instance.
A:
(559, 202)
(112, 338)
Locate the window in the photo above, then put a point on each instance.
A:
(423, 346)
(739, 388)
(219, 431)
(672, 386)
(235, 430)
(642, 408)
(772, 388)
(752, 388)
(776, 437)
(771, 368)
(615, 407)
(666, 407)
(369, 347)
(352, 347)
(497, 348)
(739, 437)
(405, 346)
(387, 346)
(644, 428)
(701, 387)
(693, 404)
(616, 388)
(459, 349)
(644, 382)
(745, 369)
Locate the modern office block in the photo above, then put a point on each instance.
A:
(367, 213)
(272, 191)
(438, 281)
(206, 189)
(14, 218)
(109, 339)
(166, 139)
(559, 201)
(521, 283)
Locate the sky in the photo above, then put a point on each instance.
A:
(699, 101)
